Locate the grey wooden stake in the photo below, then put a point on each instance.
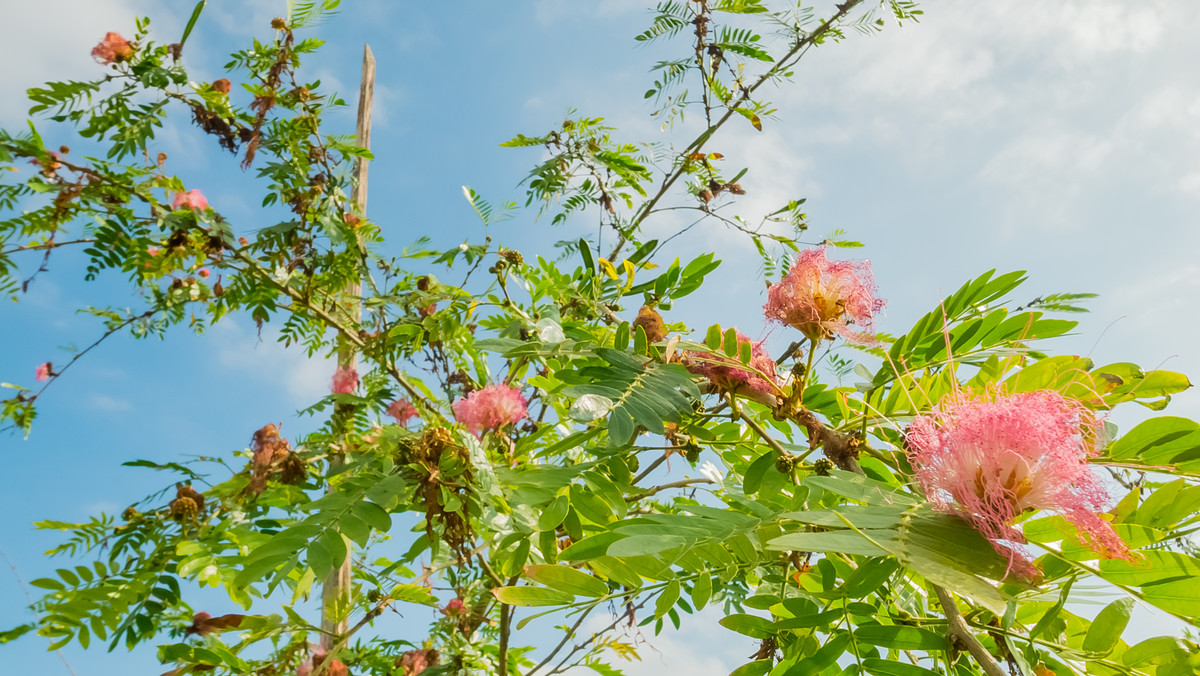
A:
(335, 591)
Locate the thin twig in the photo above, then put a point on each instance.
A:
(758, 429)
(566, 637)
(665, 487)
(46, 245)
(89, 348)
(620, 618)
(25, 590)
(780, 65)
(649, 468)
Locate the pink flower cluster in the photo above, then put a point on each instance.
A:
(402, 410)
(819, 297)
(729, 374)
(491, 408)
(44, 371)
(345, 381)
(192, 199)
(993, 456)
(112, 48)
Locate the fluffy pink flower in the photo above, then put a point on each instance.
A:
(402, 410)
(153, 251)
(490, 408)
(819, 296)
(453, 608)
(729, 374)
(203, 272)
(192, 199)
(993, 456)
(414, 662)
(345, 381)
(112, 48)
(44, 371)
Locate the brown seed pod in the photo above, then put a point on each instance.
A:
(652, 323)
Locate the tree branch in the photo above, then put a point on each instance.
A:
(780, 65)
(668, 486)
(46, 246)
(960, 630)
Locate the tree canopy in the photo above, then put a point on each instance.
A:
(513, 422)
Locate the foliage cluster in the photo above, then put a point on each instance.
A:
(811, 533)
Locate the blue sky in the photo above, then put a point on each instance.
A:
(1061, 138)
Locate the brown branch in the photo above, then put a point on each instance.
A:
(668, 486)
(649, 468)
(46, 246)
(960, 630)
(758, 429)
(841, 449)
(506, 615)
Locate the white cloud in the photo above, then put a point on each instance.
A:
(1101, 27)
(103, 402)
(103, 507)
(54, 43)
(245, 18)
(1190, 183)
(553, 11)
(701, 648)
(1045, 173)
(303, 379)
(928, 67)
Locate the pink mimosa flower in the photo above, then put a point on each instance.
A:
(112, 48)
(491, 408)
(203, 272)
(729, 374)
(454, 607)
(153, 251)
(44, 371)
(993, 456)
(345, 381)
(192, 199)
(415, 662)
(402, 410)
(818, 297)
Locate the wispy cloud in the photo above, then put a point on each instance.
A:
(53, 44)
(103, 402)
(300, 379)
